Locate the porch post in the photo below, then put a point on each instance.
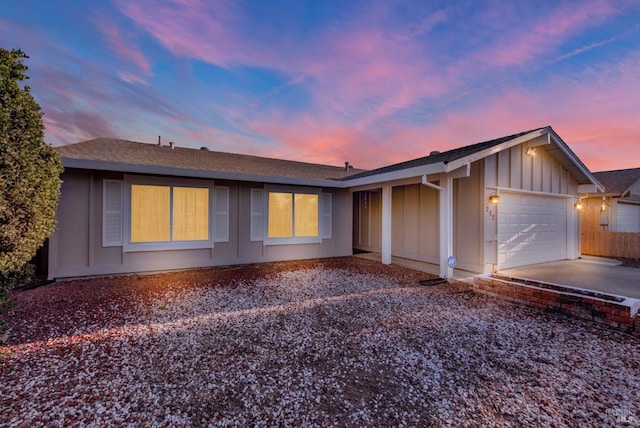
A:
(446, 225)
(386, 224)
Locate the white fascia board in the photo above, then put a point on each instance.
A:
(196, 173)
(587, 188)
(453, 165)
(578, 164)
(418, 171)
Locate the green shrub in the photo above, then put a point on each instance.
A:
(29, 172)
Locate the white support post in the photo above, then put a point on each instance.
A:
(572, 229)
(386, 224)
(446, 225)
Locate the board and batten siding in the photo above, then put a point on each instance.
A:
(415, 225)
(78, 247)
(367, 221)
(513, 170)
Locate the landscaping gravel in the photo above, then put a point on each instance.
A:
(334, 342)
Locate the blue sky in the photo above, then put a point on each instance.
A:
(332, 81)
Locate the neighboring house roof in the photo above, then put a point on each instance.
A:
(618, 182)
(129, 156)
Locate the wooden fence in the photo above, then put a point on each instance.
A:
(596, 242)
(611, 244)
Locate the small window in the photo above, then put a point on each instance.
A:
(166, 214)
(293, 216)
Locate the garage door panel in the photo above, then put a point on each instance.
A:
(531, 229)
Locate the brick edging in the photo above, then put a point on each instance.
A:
(619, 315)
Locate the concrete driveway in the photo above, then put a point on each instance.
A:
(592, 273)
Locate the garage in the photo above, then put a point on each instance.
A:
(628, 217)
(531, 229)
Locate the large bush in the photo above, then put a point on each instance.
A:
(29, 171)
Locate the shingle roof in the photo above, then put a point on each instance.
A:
(129, 152)
(619, 180)
(444, 157)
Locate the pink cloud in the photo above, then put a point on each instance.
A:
(520, 45)
(126, 50)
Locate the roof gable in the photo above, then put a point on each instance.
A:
(441, 157)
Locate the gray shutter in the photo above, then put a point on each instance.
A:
(326, 215)
(221, 219)
(257, 215)
(112, 194)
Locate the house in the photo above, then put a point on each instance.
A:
(133, 207)
(618, 209)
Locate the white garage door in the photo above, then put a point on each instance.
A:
(628, 218)
(531, 229)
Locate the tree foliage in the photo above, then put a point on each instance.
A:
(29, 170)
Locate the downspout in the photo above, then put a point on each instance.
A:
(429, 184)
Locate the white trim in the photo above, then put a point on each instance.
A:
(387, 225)
(453, 165)
(400, 174)
(531, 192)
(292, 240)
(575, 160)
(446, 225)
(171, 182)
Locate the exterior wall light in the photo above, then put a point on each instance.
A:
(531, 151)
(494, 199)
(578, 205)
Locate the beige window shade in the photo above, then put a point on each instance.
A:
(150, 213)
(306, 215)
(280, 215)
(190, 214)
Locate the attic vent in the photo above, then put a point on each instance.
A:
(172, 144)
(434, 152)
(204, 148)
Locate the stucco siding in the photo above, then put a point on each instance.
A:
(78, 249)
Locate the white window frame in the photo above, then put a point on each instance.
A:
(292, 240)
(129, 246)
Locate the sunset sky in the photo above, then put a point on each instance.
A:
(369, 82)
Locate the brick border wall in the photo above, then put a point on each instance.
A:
(609, 313)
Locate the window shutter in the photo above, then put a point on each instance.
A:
(221, 226)
(326, 215)
(257, 215)
(112, 213)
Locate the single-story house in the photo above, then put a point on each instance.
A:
(618, 208)
(132, 207)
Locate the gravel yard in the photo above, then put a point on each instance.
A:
(337, 342)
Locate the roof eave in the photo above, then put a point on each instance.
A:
(578, 165)
(196, 173)
(457, 163)
(402, 174)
